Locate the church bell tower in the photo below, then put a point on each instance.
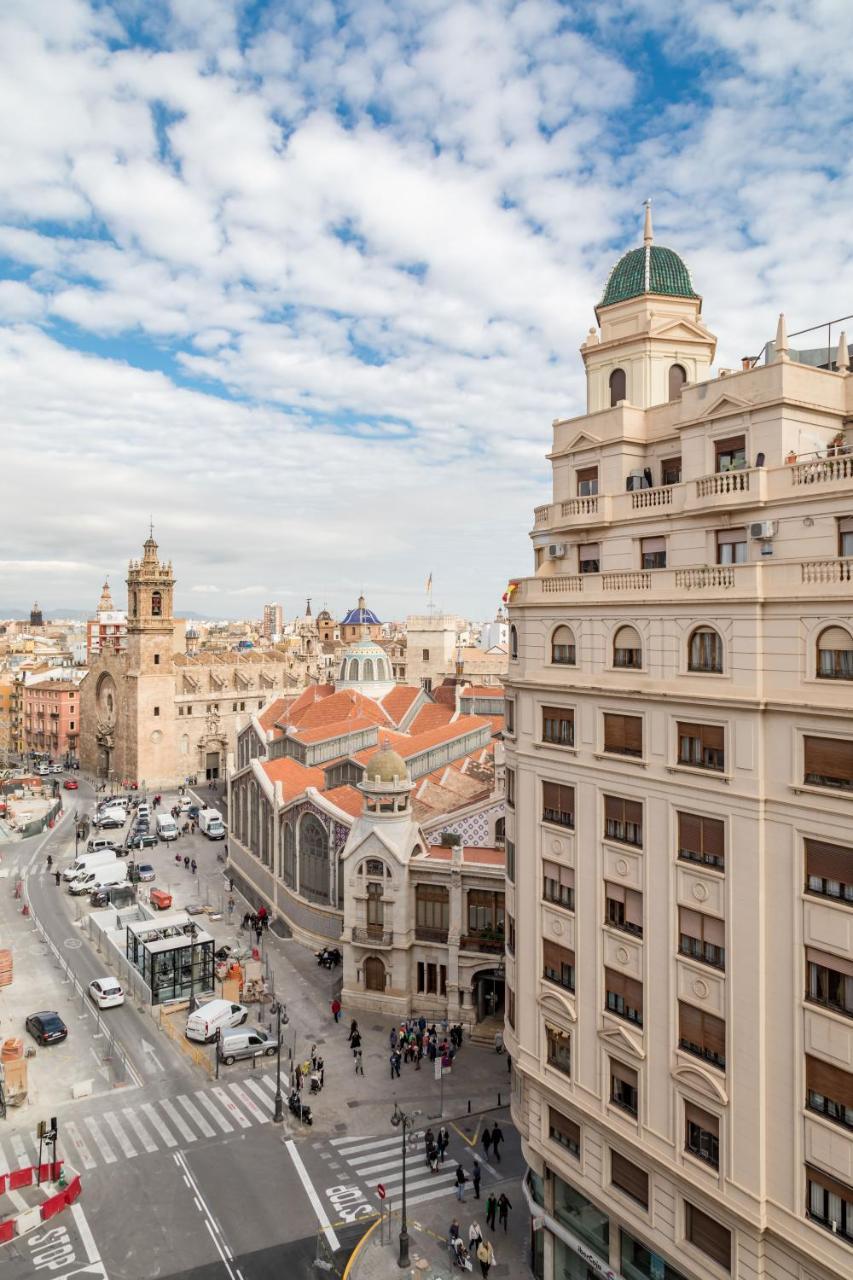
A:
(150, 624)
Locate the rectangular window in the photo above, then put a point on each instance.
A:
(670, 471)
(156, 659)
(558, 884)
(731, 546)
(510, 788)
(558, 804)
(558, 726)
(702, 937)
(589, 557)
(702, 1135)
(623, 820)
(829, 870)
(432, 910)
(180, 711)
(485, 912)
(829, 981)
(558, 965)
(623, 908)
(189, 711)
(828, 762)
(584, 1219)
(510, 934)
(510, 861)
(653, 553)
(510, 1006)
(509, 715)
(624, 1087)
(242, 706)
(708, 1235)
(829, 1091)
(730, 454)
(829, 1203)
(587, 478)
(701, 1034)
(565, 1132)
(623, 735)
(700, 746)
(442, 980)
(156, 711)
(639, 1262)
(845, 536)
(629, 1178)
(624, 996)
(71, 726)
(425, 655)
(421, 971)
(702, 840)
(559, 1049)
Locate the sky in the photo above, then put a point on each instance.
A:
(304, 284)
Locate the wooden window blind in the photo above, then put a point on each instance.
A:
(623, 820)
(558, 964)
(558, 726)
(627, 989)
(623, 735)
(828, 762)
(701, 839)
(701, 746)
(832, 1082)
(703, 1119)
(701, 1033)
(630, 1178)
(627, 1075)
(558, 804)
(563, 1130)
(827, 960)
(695, 924)
(710, 1236)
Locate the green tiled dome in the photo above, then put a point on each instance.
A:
(652, 269)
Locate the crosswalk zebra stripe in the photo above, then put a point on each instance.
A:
(100, 1141)
(177, 1120)
(231, 1107)
(5, 1167)
(245, 1101)
(340, 1142)
(259, 1092)
(370, 1145)
(430, 1180)
(21, 1154)
(128, 1150)
(160, 1125)
(427, 1195)
(193, 1111)
(77, 1139)
(269, 1081)
(139, 1129)
(225, 1125)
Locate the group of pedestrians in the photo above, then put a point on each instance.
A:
(256, 922)
(413, 1041)
(190, 864)
(480, 1247)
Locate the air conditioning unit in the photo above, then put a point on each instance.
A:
(763, 530)
(556, 550)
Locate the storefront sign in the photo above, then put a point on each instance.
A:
(592, 1260)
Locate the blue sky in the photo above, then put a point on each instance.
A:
(307, 283)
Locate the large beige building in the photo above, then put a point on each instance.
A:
(680, 843)
(154, 714)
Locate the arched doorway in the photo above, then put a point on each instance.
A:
(487, 993)
(374, 974)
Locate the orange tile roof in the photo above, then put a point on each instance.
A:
(409, 745)
(341, 705)
(270, 714)
(335, 730)
(293, 776)
(399, 700)
(314, 693)
(470, 853)
(430, 716)
(346, 798)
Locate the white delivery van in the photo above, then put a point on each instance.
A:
(97, 844)
(89, 862)
(167, 828)
(214, 1016)
(210, 822)
(248, 1042)
(99, 878)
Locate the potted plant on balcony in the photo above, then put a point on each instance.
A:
(837, 445)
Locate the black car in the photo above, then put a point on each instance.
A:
(193, 812)
(46, 1027)
(142, 840)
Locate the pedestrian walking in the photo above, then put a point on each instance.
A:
(504, 1207)
(443, 1142)
(246, 920)
(475, 1235)
(230, 878)
(485, 1256)
(298, 1074)
(476, 1174)
(353, 1027)
(186, 862)
(355, 1041)
(314, 1057)
(230, 908)
(395, 1060)
(460, 1183)
(359, 1065)
(487, 1140)
(497, 1139)
(57, 877)
(392, 1039)
(335, 1006)
(258, 933)
(193, 866)
(491, 1210)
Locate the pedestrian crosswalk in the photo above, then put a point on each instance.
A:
(375, 1161)
(117, 1133)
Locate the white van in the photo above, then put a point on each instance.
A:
(167, 828)
(97, 844)
(99, 878)
(89, 862)
(214, 1016)
(246, 1042)
(210, 822)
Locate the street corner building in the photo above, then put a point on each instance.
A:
(679, 773)
(153, 714)
(370, 816)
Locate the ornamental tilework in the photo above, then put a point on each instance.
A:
(475, 829)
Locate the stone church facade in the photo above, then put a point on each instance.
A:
(155, 715)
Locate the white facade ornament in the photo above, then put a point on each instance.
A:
(842, 358)
(781, 339)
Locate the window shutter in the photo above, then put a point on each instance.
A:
(628, 988)
(704, 1119)
(586, 474)
(634, 907)
(835, 638)
(690, 922)
(567, 877)
(633, 733)
(714, 1034)
(832, 1082)
(829, 861)
(714, 931)
(845, 524)
(729, 444)
(619, 810)
(713, 837)
(689, 830)
(709, 1236)
(690, 1023)
(650, 545)
(726, 536)
(830, 757)
(828, 961)
(629, 1177)
(588, 551)
(614, 891)
(563, 1125)
(551, 795)
(612, 809)
(554, 955)
(627, 1075)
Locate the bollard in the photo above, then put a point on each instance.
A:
(499, 1099)
(469, 1106)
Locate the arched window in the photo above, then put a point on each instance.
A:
(156, 604)
(563, 647)
(367, 669)
(343, 674)
(374, 974)
(500, 831)
(513, 643)
(677, 379)
(705, 651)
(835, 654)
(133, 604)
(313, 859)
(288, 855)
(375, 910)
(353, 668)
(618, 386)
(627, 648)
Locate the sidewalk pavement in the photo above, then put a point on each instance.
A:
(377, 1258)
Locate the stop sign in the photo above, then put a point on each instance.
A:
(380, 1191)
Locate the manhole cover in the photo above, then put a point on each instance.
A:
(72, 943)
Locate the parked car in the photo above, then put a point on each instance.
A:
(56, 768)
(70, 784)
(46, 1027)
(110, 822)
(193, 811)
(160, 899)
(106, 992)
(142, 840)
(185, 804)
(142, 871)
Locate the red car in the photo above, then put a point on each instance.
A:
(70, 785)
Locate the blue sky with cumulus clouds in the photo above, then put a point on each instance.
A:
(306, 283)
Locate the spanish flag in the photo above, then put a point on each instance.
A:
(429, 584)
(511, 590)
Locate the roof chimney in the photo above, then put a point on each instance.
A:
(781, 339)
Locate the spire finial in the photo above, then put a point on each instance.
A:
(782, 338)
(151, 526)
(842, 358)
(648, 235)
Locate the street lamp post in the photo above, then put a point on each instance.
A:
(278, 1114)
(405, 1120)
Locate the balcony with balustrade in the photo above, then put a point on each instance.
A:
(373, 935)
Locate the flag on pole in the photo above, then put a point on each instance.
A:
(513, 586)
(429, 583)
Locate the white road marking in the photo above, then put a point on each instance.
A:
(373, 1146)
(5, 1167)
(139, 1128)
(100, 1141)
(428, 1195)
(259, 1092)
(224, 1124)
(21, 1154)
(127, 1148)
(231, 1106)
(80, 1146)
(316, 1203)
(199, 1119)
(269, 1081)
(160, 1125)
(177, 1120)
(88, 1240)
(342, 1142)
(245, 1101)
